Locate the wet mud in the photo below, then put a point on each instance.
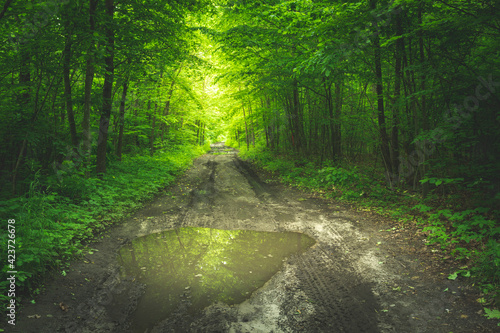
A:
(201, 266)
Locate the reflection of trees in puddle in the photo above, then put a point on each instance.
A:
(200, 266)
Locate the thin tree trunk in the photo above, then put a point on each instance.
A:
(87, 100)
(107, 90)
(5, 8)
(296, 124)
(425, 121)
(246, 128)
(121, 120)
(197, 131)
(278, 126)
(380, 100)
(152, 133)
(24, 101)
(198, 124)
(252, 126)
(165, 127)
(203, 134)
(136, 113)
(337, 147)
(331, 119)
(397, 96)
(67, 92)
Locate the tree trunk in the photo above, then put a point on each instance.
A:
(296, 119)
(165, 127)
(331, 119)
(24, 101)
(252, 126)
(5, 8)
(136, 113)
(89, 78)
(380, 100)
(153, 125)
(197, 124)
(397, 96)
(121, 121)
(203, 134)
(107, 90)
(246, 128)
(425, 121)
(67, 92)
(337, 147)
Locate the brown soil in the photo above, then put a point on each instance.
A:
(359, 277)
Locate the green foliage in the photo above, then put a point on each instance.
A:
(50, 226)
(230, 142)
(331, 176)
(464, 273)
(439, 181)
(492, 314)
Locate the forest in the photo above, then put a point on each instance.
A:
(390, 106)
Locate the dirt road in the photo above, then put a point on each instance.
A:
(360, 276)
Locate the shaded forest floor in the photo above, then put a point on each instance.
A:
(366, 273)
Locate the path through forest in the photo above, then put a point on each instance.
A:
(360, 276)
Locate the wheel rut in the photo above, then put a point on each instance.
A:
(342, 302)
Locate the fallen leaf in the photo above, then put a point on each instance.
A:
(63, 306)
(35, 316)
(464, 316)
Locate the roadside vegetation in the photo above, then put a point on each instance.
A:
(61, 214)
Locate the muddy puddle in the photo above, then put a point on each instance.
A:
(191, 268)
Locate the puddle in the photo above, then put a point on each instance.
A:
(191, 268)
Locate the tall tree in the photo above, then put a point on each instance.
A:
(89, 79)
(107, 89)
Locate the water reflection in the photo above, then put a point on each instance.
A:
(198, 266)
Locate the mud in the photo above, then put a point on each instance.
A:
(196, 267)
(364, 274)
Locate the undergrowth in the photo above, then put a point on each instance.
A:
(467, 233)
(57, 216)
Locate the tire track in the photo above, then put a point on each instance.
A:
(258, 186)
(201, 198)
(342, 303)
